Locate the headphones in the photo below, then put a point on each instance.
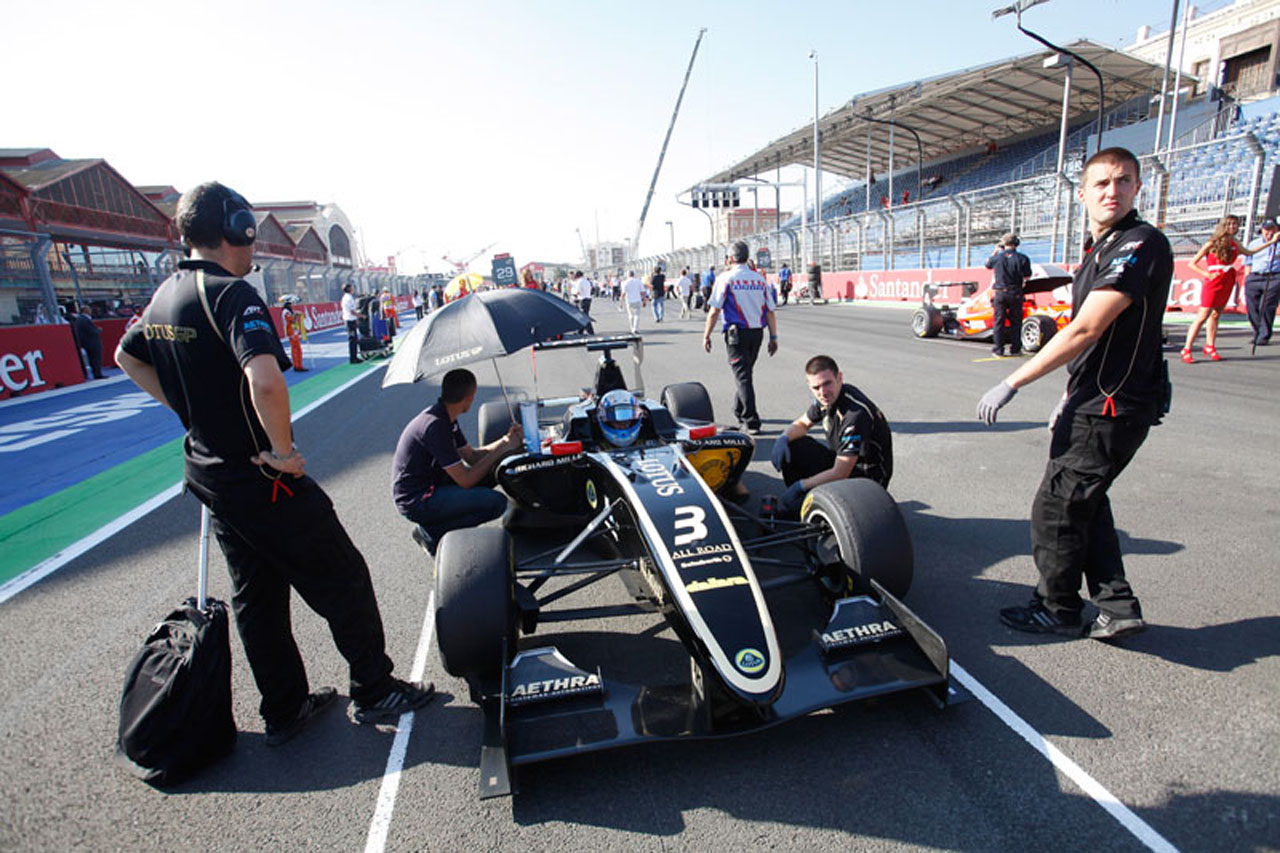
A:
(239, 228)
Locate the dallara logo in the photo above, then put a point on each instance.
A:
(716, 583)
(749, 661)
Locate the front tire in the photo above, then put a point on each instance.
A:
(688, 401)
(865, 532)
(475, 601)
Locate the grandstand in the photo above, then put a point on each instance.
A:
(990, 142)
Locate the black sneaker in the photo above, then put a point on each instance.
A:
(998, 353)
(1108, 627)
(753, 429)
(311, 707)
(423, 538)
(1036, 619)
(404, 696)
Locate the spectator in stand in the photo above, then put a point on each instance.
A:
(906, 196)
(1218, 279)
(633, 296)
(88, 340)
(658, 293)
(1262, 287)
(884, 202)
(685, 288)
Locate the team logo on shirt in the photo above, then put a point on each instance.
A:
(252, 309)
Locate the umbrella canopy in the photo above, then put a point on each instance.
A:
(485, 325)
(462, 284)
(1045, 277)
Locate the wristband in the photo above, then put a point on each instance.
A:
(292, 453)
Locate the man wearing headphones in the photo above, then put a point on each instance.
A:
(206, 348)
(1010, 270)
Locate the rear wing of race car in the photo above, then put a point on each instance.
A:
(930, 290)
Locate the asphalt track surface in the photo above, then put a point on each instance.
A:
(1178, 724)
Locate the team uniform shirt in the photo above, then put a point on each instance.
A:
(1122, 373)
(745, 298)
(349, 308)
(633, 289)
(1010, 269)
(201, 375)
(1266, 261)
(428, 445)
(856, 427)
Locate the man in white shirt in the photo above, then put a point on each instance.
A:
(350, 318)
(747, 302)
(685, 286)
(633, 295)
(582, 290)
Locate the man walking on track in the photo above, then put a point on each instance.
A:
(747, 302)
(206, 348)
(1117, 390)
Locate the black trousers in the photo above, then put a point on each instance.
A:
(1007, 307)
(584, 305)
(294, 542)
(1073, 534)
(353, 341)
(742, 361)
(1261, 298)
(808, 457)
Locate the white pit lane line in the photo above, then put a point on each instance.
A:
(1130, 821)
(381, 823)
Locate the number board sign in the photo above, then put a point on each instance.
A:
(504, 270)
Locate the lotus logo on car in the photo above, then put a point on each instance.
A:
(749, 661)
(592, 498)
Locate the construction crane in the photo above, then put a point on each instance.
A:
(461, 266)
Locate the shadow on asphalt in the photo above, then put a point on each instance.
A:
(975, 425)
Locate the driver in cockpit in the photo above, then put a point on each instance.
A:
(620, 417)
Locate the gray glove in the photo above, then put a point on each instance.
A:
(1057, 412)
(993, 401)
(781, 451)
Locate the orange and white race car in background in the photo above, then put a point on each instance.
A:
(1043, 313)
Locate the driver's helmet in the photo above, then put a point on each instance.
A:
(619, 414)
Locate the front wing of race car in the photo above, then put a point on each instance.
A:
(548, 708)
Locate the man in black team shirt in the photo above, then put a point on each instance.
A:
(1010, 270)
(1116, 391)
(206, 347)
(859, 443)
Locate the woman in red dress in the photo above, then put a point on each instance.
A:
(1218, 274)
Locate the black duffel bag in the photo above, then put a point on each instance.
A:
(175, 711)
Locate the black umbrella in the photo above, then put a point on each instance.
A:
(483, 325)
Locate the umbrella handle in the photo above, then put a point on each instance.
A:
(510, 411)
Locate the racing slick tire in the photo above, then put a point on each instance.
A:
(1036, 331)
(688, 401)
(871, 537)
(494, 419)
(926, 322)
(475, 601)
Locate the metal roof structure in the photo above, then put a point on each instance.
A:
(954, 113)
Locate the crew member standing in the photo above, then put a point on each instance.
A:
(1116, 391)
(87, 338)
(352, 321)
(1010, 271)
(747, 303)
(295, 330)
(207, 349)
(1262, 287)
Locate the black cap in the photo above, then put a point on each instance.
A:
(1269, 223)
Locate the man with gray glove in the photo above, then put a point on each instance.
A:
(1117, 389)
(859, 443)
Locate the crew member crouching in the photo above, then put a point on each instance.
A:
(859, 443)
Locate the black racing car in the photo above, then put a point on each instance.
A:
(777, 618)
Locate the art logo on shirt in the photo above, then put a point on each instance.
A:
(252, 309)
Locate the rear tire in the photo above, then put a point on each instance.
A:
(688, 401)
(866, 531)
(926, 322)
(475, 601)
(1036, 331)
(494, 419)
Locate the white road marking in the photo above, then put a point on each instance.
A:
(47, 567)
(381, 823)
(1130, 821)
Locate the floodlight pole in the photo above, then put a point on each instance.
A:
(1017, 9)
(1164, 80)
(817, 172)
(919, 153)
